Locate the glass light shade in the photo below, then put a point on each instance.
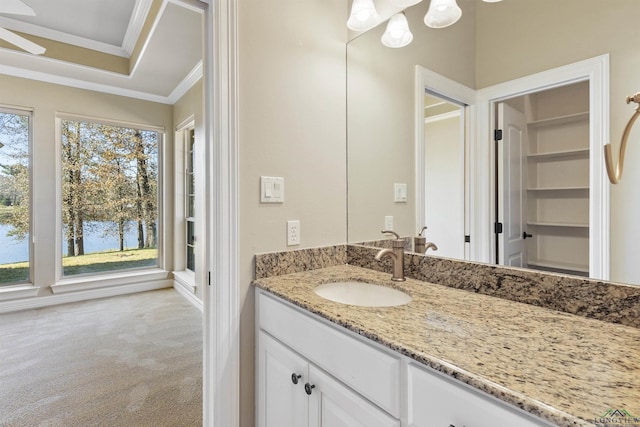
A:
(397, 33)
(406, 3)
(363, 16)
(442, 13)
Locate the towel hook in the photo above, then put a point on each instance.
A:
(615, 176)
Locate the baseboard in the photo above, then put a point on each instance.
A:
(187, 293)
(49, 300)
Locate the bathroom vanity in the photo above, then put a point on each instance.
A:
(449, 357)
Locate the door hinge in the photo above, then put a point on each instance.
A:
(497, 135)
(498, 228)
(467, 239)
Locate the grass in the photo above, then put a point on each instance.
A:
(86, 264)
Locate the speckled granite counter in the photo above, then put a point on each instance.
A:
(564, 368)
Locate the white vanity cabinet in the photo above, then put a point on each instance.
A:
(435, 399)
(313, 373)
(310, 374)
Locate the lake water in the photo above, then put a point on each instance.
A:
(12, 250)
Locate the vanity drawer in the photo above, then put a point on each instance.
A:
(370, 371)
(438, 400)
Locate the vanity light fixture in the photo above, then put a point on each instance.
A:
(397, 33)
(442, 13)
(363, 16)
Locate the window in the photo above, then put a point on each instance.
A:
(109, 197)
(15, 196)
(190, 202)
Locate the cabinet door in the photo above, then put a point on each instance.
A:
(281, 403)
(332, 404)
(440, 401)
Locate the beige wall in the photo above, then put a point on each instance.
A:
(46, 100)
(543, 34)
(381, 104)
(291, 124)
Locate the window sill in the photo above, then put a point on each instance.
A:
(18, 291)
(187, 279)
(107, 280)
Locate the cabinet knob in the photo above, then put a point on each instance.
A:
(524, 236)
(295, 377)
(308, 388)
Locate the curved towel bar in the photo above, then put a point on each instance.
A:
(615, 176)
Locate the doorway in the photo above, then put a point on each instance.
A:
(592, 73)
(444, 169)
(543, 180)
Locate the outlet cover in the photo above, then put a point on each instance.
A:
(293, 233)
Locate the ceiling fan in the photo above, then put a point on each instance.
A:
(18, 7)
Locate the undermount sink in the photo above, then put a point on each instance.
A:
(362, 294)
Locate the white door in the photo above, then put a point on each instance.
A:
(334, 405)
(512, 187)
(281, 402)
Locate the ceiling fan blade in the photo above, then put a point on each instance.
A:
(16, 7)
(21, 42)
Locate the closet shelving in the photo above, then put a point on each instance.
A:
(558, 179)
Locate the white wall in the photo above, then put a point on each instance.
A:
(46, 100)
(566, 32)
(291, 124)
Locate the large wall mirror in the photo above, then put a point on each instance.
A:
(564, 222)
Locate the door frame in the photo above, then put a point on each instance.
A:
(221, 299)
(426, 79)
(596, 71)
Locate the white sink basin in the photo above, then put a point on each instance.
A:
(362, 294)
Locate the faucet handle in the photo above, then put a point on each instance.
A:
(392, 232)
(422, 231)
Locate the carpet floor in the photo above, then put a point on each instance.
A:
(133, 360)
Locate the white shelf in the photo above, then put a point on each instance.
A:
(560, 120)
(574, 153)
(579, 188)
(559, 265)
(558, 224)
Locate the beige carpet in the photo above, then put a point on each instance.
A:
(133, 360)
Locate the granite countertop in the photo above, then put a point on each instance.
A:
(566, 369)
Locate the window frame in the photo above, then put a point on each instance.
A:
(183, 276)
(29, 112)
(107, 276)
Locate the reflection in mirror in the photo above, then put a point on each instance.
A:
(492, 46)
(444, 172)
(543, 180)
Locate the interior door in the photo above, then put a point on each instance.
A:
(512, 187)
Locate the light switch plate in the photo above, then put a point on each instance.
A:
(271, 189)
(400, 193)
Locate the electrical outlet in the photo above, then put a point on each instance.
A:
(293, 233)
(388, 223)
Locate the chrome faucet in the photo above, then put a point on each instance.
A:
(421, 245)
(397, 256)
(430, 245)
